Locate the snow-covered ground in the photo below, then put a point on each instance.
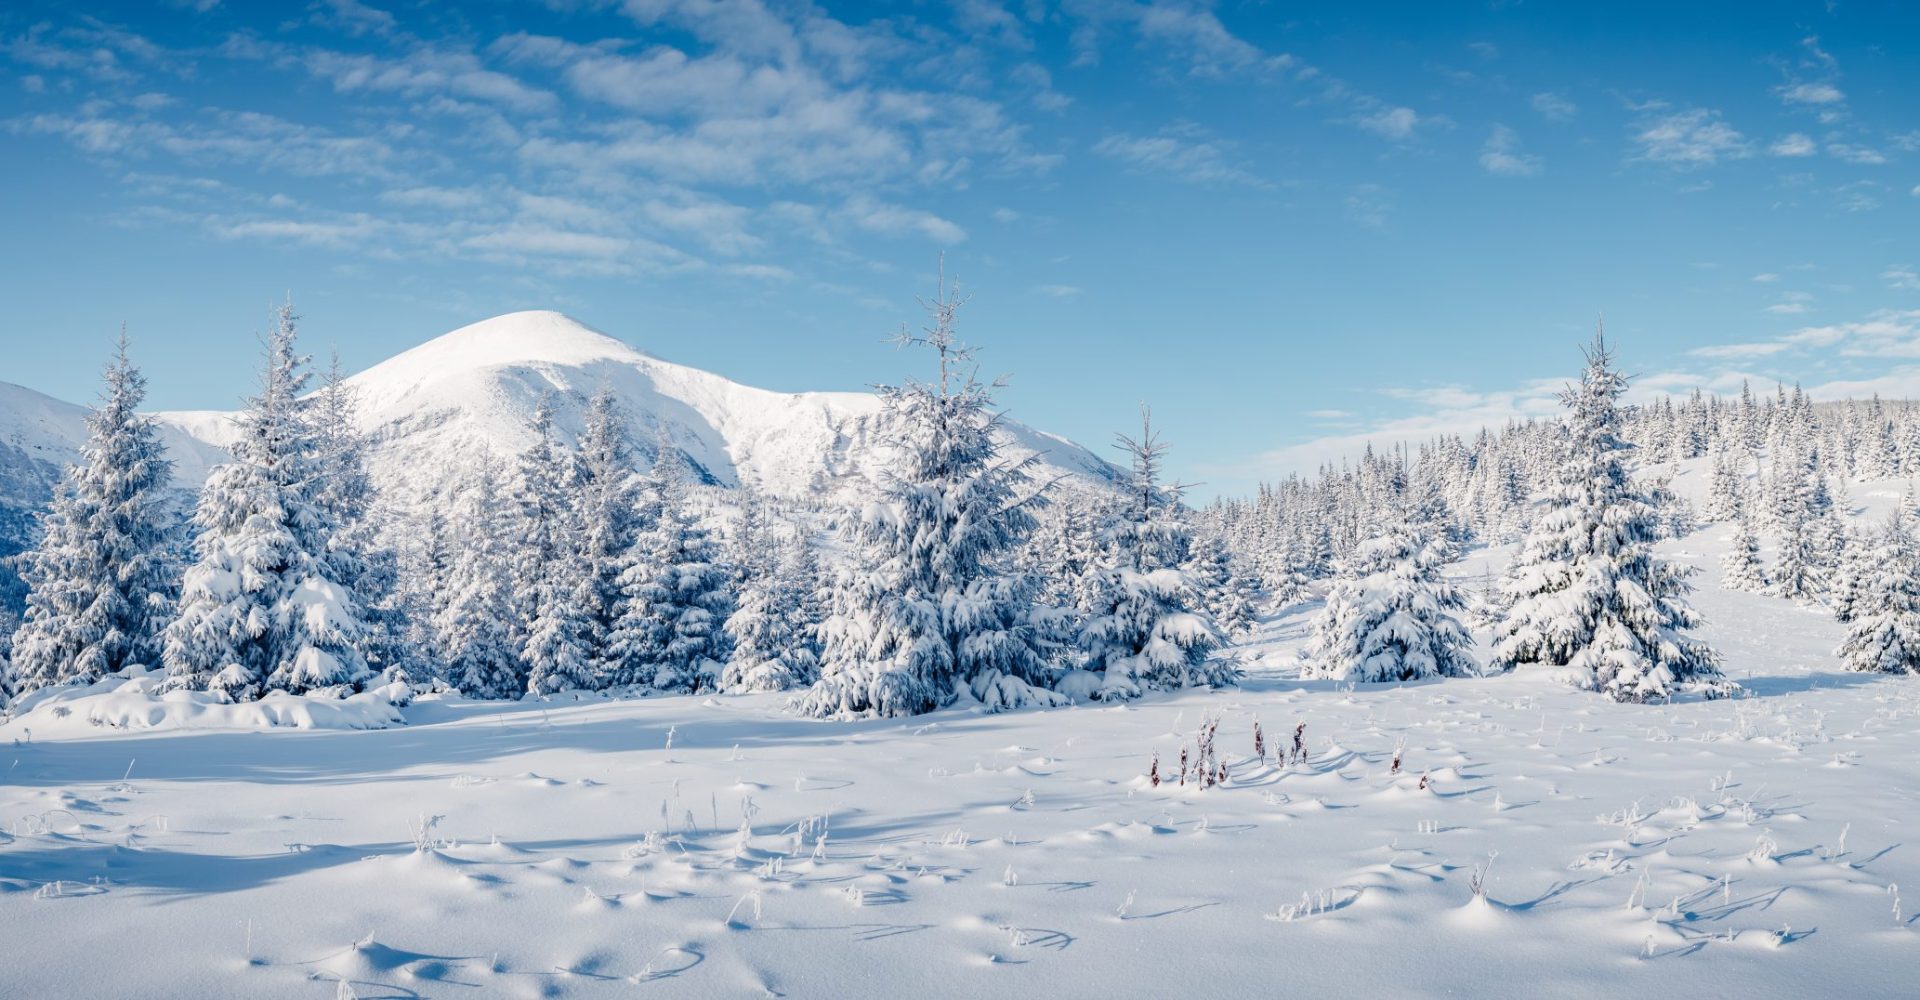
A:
(1751, 847)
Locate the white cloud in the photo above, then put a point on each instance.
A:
(1553, 107)
(1397, 124)
(223, 138)
(895, 220)
(1766, 279)
(1369, 206)
(1057, 291)
(1445, 410)
(1857, 196)
(1193, 159)
(354, 18)
(1904, 278)
(1731, 351)
(327, 234)
(1794, 144)
(1694, 138)
(545, 241)
(1787, 308)
(1862, 155)
(763, 272)
(1886, 333)
(1501, 155)
(425, 71)
(1810, 93)
(1189, 32)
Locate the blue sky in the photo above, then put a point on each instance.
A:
(1290, 226)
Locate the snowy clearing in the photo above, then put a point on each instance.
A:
(1749, 847)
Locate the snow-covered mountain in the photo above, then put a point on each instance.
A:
(430, 411)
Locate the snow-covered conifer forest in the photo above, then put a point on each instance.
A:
(528, 664)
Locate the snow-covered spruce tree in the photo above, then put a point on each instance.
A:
(100, 583)
(550, 582)
(1587, 593)
(1726, 491)
(1388, 616)
(1144, 631)
(772, 650)
(929, 608)
(1287, 579)
(607, 505)
(261, 609)
(1800, 575)
(1488, 605)
(676, 599)
(6, 659)
(1885, 634)
(1741, 568)
(476, 653)
(1853, 568)
(1219, 586)
(345, 494)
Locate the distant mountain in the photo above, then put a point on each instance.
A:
(428, 409)
(429, 413)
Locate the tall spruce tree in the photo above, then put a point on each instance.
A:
(549, 571)
(101, 581)
(929, 608)
(345, 494)
(262, 607)
(1144, 630)
(678, 597)
(1587, 592)
(772, 650)
(471, 629)
(606, 500)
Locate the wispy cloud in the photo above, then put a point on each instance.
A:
(1811, 93)
(1369, 205)
(1191, 159)
(1693, 138)
(1501, 155)
(1793, 144)
(1396, 123)
(1189, 33)
(1554, 107)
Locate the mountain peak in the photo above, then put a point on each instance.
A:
(535, 336)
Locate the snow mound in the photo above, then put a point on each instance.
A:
(135, 702)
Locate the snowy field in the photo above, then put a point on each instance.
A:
(1753, 847)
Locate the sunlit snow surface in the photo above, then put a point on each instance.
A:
(1693, 847)
(1732, 848)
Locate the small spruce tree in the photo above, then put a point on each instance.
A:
(1884, 636)
(1389, 615)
